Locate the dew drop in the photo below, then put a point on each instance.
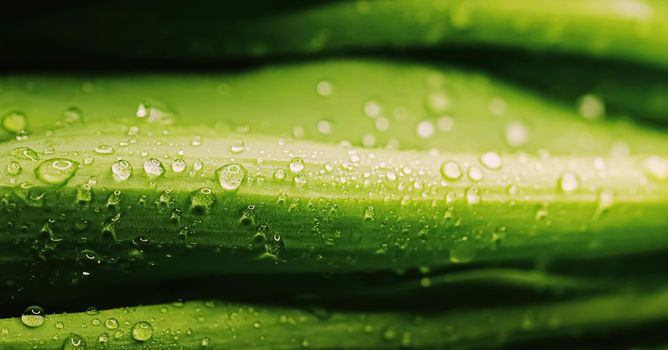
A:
(372, 108)
(111, 323)
(14, 168)
(425, 129)
(591, 107)
(568, 182)
(451, 171)
(178, 165)
(104, 149)
(472, 195)
(279, 174)
(462, 253)
(296, 165)
(324, 127)
(438, 101)
(142, 331)
(237, 146)
(231, 175)
(445, 123)
(74, 342)
(154, 168)
(14, 122)
(324, 88)
(24, 153)
(491, 160)
(516, 134)
(33, 316)
(56, 171)
(202, 200)
(475, 173)
(121, 170)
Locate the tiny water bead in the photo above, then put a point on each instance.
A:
(33, 316)
(279, 174)
(154, 168)
(451, 171)
(324, 127)
(472, 195)
(14, 122)
(372, 109)
(142, 331)
(121, 170)
(56, 171)
(438, 102)
(231, 175)
(568, 182)
(296, 165)
(491, 160)
(475, 174)
(74, 342)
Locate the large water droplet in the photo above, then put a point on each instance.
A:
(121, 170)
(33, 316)
(56, 171)
(111, 323)
(178, 165)
(142, 331)
(154, 168)
(462, 253)
(14, 122)
(231, 175)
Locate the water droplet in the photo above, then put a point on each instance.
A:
(369, 213)
(142, 331)
(231, 175)
(14, 168)
(279, 174)
(74, 342)
(296, 165)
(154, 168)
(300, 180)
(84, 194)
(438, 102)
(154, 112)
(445, 123)
(475, 173)
(237, 146)
(389, 333)
(472, 195)
(451, 171)
(324, 127)
(591, 107)
(197, 140)
(33, 316)
(60, 325)
(516, 134)
(111, 323)
(656, 167)
(56, 171)
(497, 106)
(103, 338)
(462, 253)
(368, 140)
(372, 108)
(491, 160)
(14, 122)
(121, 170)
(425, 129)
(202, 200)
(24, 153)
(178, 165)
(324, 88)
(274, 245)
(72, 115)
(568, 182)
(205, 342)
(382, 124)
(104, 149)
